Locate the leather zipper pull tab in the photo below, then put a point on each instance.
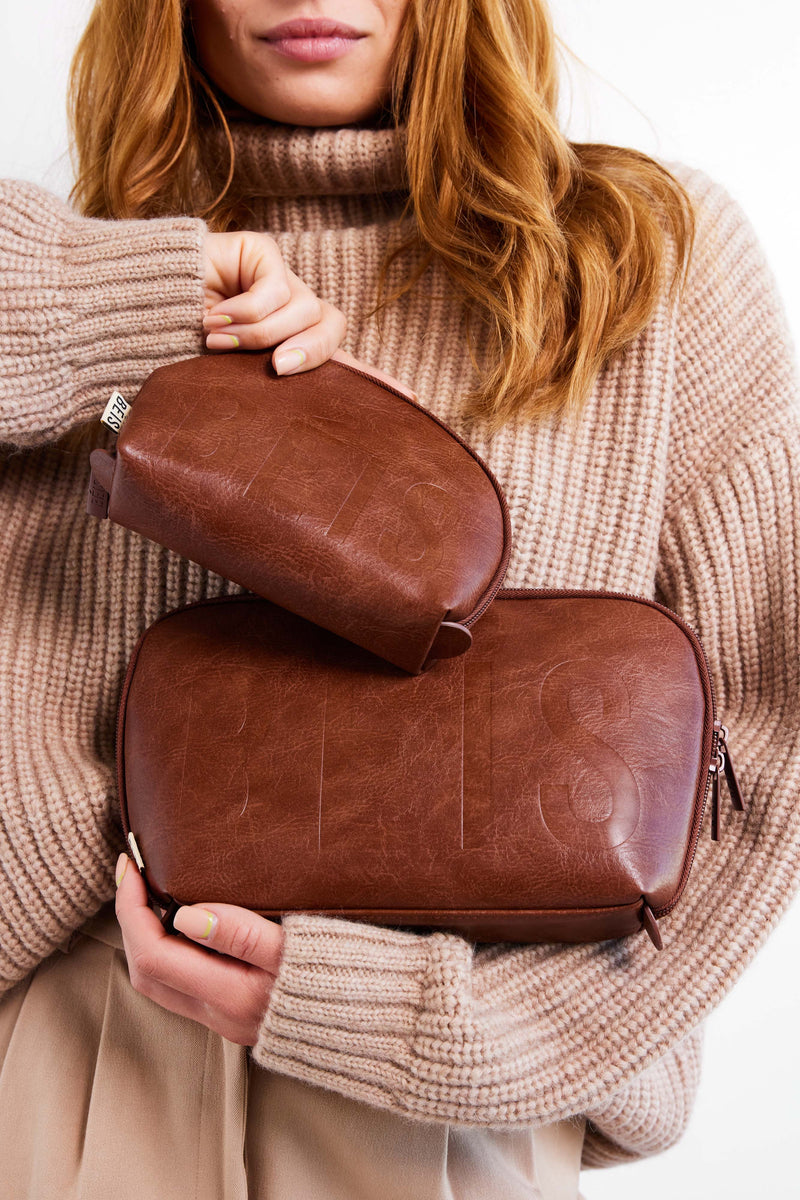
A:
(169, 915)
(737, 800)
(650, 924)
(714, 769)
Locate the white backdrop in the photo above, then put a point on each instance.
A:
(714, 83)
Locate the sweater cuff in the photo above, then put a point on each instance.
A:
(360, 1009)
(88, 306)
(650, 1114)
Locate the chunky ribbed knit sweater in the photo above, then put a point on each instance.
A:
(680, 480)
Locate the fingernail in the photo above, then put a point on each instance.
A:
(222, 341)
(217, 320)
(122, 866)
(195, 922)
(289, 360)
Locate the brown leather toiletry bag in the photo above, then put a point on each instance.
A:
(332, 493)
(548, 786)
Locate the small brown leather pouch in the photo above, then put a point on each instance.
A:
(332, 493)
(548, 786)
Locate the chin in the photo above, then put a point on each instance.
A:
(316, 112)
(319, 120)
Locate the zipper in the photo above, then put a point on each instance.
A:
(721, 763)
(719, 753)
(494, 588)
(171, 907)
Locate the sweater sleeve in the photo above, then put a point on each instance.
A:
(436, 1029)
(649, 1114)
(87, 306)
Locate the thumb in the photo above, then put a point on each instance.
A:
(234, 931)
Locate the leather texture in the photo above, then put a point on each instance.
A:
(330, 493)
(547, 786)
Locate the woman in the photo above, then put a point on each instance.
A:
(638, 406)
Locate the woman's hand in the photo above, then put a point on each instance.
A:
(254, 301)
(225, 987)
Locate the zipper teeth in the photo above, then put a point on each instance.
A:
(705, 675)
(494, 588)
(123, 700)
(589, 592)
(120, 743)
(667, 908)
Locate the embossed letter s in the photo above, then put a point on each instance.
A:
(557, 799)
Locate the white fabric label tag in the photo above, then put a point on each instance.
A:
(115, 412)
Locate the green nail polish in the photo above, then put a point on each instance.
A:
(122, 866)
(289, 360)
(195, 922)
(222, 341)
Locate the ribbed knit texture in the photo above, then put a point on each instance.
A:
(681, 480)
(77, 314)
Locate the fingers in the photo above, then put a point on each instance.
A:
(317, 343)
(251, 307)
(234, 931)
(255, 302)
(322, 329)
(233, 262)
(280, 322)
(154, 954)
(228, 991)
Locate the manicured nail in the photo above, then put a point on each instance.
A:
(217, 320)
(195, 922)
(222, 341)
(122, 866)
(289, 360)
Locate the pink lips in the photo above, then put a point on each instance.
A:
(312, 40)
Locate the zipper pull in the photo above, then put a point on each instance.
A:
(714, 772)
(721, 761)
(650, 925)
(737, 800)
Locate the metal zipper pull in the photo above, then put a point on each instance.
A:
(714, 771)
(737, 800)
(721, 762)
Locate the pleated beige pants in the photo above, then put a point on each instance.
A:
(105, 1094)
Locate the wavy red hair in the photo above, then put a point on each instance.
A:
(559, 251)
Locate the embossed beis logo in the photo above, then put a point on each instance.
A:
(593, 808)
(557, 692)
(596, 776)
(314, 470)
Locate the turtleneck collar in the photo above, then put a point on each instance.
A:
(286, 160)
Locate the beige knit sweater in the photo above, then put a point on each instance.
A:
(681, 480)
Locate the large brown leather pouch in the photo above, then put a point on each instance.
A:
(549, 785)
(331, 493)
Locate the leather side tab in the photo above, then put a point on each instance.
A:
(650, 924)
(452, 639)
(100, 480)
(97, 499)
(103, 465)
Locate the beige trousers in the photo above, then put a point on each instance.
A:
(104, 1093)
